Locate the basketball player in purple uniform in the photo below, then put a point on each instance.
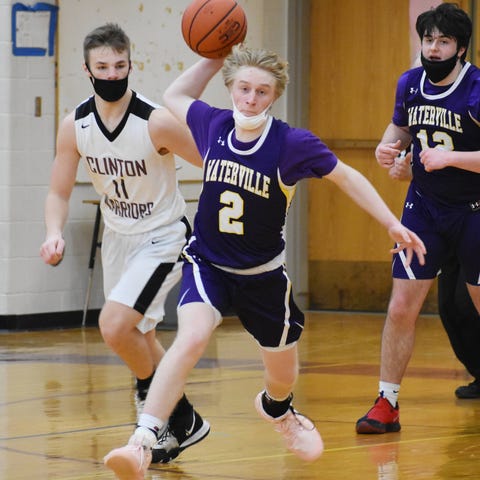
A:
(457, 312)
(235, 259)
(437, 109)
(127, 143)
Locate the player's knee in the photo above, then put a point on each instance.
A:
(192, 343)
(113, 332)
(108, 334)
(402, 315)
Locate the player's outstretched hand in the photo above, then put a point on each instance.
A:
(52, 250)
(407, 240)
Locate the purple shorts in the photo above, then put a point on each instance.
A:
(445, 230)
(263, 302)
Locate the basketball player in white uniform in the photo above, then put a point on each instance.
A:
(126, 144)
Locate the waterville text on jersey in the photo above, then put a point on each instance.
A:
(432, 115)
(244, 177)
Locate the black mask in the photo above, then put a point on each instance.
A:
(109, 90)
(437, 71)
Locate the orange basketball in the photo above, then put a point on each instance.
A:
(211, 27)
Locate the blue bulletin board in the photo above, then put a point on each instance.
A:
(33, 29)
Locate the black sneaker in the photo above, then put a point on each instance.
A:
(181, 433)
(472, 390)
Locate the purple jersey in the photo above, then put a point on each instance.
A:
(446, 117)
(248, 187)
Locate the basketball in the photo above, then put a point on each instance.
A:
(211, 27)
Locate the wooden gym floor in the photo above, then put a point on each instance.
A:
(65, 401)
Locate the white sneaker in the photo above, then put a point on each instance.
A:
(130, 462)
(300, 434)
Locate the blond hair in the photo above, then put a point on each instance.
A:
(242, 56)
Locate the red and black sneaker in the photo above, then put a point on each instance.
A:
(381, 418)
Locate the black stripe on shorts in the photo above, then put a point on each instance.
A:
(152, 287)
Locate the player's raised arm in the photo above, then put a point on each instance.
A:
(189, 86)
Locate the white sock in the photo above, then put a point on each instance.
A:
(150, 423)
(389, 391)
(143, 436)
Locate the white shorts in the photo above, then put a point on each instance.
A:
(139, 270)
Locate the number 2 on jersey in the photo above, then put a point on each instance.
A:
(443, 140)
(228, 216)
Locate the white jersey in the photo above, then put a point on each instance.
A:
(138, 186)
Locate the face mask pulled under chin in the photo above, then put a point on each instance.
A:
(110, 90)
(249, 123)
(437, 71)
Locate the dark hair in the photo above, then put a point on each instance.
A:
(450, 20)
(108, 35)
